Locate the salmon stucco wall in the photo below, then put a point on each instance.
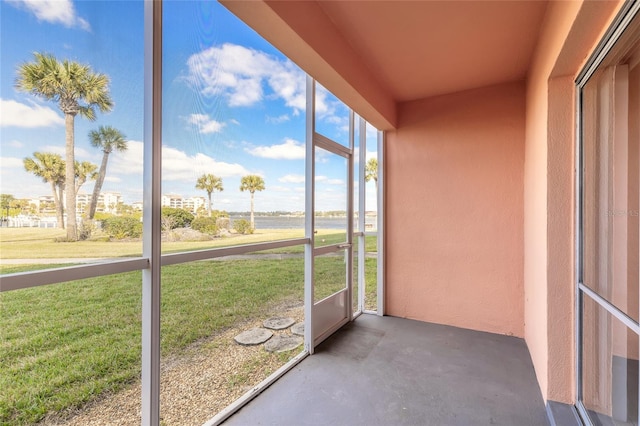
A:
(557, 25)
(454, 210)
(569, 34)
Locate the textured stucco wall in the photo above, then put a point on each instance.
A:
(568, 36)
(454, 180)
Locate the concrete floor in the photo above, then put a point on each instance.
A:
(392, 371)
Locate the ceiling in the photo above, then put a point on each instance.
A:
(375, 55)
(419, 49)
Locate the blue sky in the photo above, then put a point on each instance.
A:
(232, 104)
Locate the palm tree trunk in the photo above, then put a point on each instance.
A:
(70, 178)
(209, 206)
(252, 224)
(58, 204)
(98, 185)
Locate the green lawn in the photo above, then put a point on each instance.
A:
(62, 345)
(39, 243)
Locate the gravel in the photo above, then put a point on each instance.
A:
(195, 384)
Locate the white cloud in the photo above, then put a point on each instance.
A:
(372, 134)
(290, 149)
(15, 144)
(291, 179)
(279, 188)
(205, 124)
(327, 181)
(242, 75)
(54, 11)
(279, 119)
(369, 155)
(176, 165)
(80, 153)
(16, 114)
(11, 163)
(112, 179)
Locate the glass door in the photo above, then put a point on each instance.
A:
(608, 231)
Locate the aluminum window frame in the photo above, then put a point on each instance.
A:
(621, 22)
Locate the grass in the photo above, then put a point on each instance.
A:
(63, 345)
(38, 243)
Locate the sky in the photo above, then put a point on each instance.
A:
(233, 105)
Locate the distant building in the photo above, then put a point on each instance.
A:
(44, 204)
(107, 202)
(194, 203)
(172, 200)
(191, 204)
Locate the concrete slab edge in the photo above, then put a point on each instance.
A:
(561, 414)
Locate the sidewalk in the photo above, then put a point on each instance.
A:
(52, 261)
(45, 261)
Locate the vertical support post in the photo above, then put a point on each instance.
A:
(309, 337)
(578, 248)
(362, 210)
(350, 208)
(381, 256)
(151, 212)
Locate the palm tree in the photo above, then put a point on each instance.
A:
(371, 171)
(209, 182)
(84, 171)
(77, 90)
(5, 202)
(252, 183)
(107, 139)
(51, 168)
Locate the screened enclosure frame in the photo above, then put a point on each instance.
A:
(152, 260)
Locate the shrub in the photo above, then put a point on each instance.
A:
(206, 225)
(180, 218)
(223, 222)
(100, 216)
(168, 222)
(242, 226)
(122, 227)
(85, 229)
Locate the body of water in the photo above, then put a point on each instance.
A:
(297, 222)
(262, 222)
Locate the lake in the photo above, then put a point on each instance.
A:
(297, 222)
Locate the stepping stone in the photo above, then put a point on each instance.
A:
(283, 343)
(298, 329)
(278, 323)
(253, 337)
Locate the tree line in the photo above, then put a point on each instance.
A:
(210, 183)
(79, 91)
(52, 169)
